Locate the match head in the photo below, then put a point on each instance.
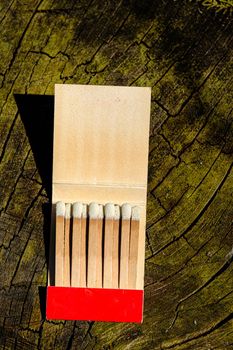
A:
(109, 211)
(101, 211)
(126, 211)
(68, 211)
(136, 213)
(117, 212)
(94, 211)
(84, 211)
(77, 210)
(60, 209)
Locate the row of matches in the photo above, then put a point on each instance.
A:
(96, 246)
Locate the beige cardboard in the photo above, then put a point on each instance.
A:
(101, 136)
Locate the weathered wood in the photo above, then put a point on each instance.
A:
(186, 56)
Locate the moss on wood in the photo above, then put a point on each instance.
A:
(185, 55)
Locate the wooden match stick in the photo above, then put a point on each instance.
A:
(77, 254)
(94, 265)
(108, 244)
(124, 250)
(66, 279)
(115, 254)
(100, 246)
(133, 247)
(83, 270)
(59, 243)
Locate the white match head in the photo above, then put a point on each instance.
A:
(60, 209)
(68, 211)
(136, 213)
(117, 212)
(77, 210)
(84, 211)
(126, 211)
(93, 210)
(101, 211)
(109, 211)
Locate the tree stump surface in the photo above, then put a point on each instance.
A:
(185, 54)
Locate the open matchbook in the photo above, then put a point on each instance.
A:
(100, 160)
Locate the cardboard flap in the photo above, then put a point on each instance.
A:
(101, 135)
(100, 154)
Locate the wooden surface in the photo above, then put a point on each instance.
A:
(185, 53)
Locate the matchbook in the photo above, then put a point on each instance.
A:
(99, 190)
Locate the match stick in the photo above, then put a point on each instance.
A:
(59, 243)
(108, 244)
(124, 251)
(100, 222)
(115, 254)
(66, 279)
(77, 253)
(133, 247)
(83, 270)
(94, 265)
(99, 273)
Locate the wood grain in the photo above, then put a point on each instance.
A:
(185, 53)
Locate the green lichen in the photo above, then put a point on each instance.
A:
(224, 6)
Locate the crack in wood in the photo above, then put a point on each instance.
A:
(127, 43)
(16, 50)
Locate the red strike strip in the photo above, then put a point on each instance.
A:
(95, 304)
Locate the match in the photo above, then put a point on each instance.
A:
(66, 278)
(115, 254)
(77, 254)
(94, 264)
(124, 250)
(108, 245)
(134, 247)
(59, 243)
